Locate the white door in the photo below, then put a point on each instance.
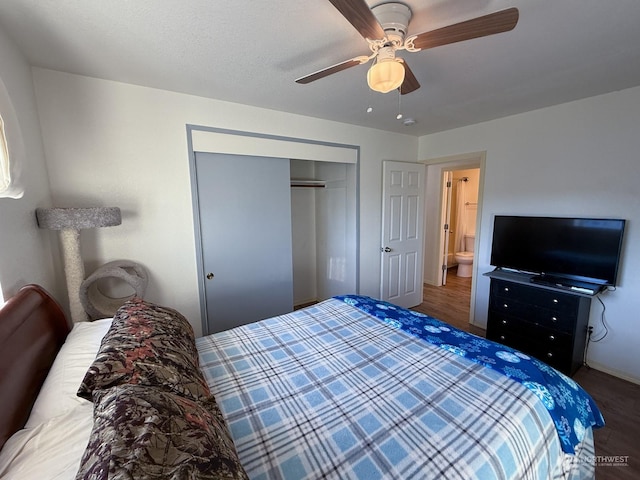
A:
(402, 233)
(245, 221)
(446, 214)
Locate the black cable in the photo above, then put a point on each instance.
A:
(586, 348)
(604, 323)
(590, 331)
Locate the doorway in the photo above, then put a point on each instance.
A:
(459, 222)
(436, 249)
(323, 229)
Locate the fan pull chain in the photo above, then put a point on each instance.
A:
(399, 116)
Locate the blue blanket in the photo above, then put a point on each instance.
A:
(571, 408)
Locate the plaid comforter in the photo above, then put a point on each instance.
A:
(332, 392)
(571, 408)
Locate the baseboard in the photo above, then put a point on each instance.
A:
(478, 325)
(307, 303)
(614, 373)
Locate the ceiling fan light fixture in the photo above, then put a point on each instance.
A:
(385, 75)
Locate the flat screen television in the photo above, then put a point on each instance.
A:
(564, 251)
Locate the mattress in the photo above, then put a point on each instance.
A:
(334, 392)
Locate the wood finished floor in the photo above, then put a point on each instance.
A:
(618, 399)
(450, 303)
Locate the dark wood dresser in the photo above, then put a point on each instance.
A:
(544, 322)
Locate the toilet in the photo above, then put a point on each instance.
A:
(465, 259)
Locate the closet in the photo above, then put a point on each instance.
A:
(323, 221)
(274, 233)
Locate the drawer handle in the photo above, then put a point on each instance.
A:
(551, 337)
(554, 319)
(506, 289)
(501, 337)
(555, 300)
(504, 322)
(549, 355)
(505, 305)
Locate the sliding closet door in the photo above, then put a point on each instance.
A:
(245, 220)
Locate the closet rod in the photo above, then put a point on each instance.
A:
(309, 183)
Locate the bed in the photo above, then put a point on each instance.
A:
(349, 388)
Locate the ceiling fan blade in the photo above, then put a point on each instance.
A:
(410, 83)
(358, 13)
(325, 72)
(497, 22)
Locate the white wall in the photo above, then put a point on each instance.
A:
(114, 144)
(25, 250)
(470, 197)
(575, 159)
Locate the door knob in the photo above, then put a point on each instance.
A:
(385, 249)
(210, 276)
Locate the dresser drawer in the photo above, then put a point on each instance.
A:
(548, 318)
(500, 326)
(550, 347)
(535, 296)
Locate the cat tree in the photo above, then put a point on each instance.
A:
(69, 222)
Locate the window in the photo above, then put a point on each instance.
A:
(12, 151)
(5, 171)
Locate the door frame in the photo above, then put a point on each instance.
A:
(434, 238)
(447, 189)
(221, 140)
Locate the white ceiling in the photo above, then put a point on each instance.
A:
(251, 52)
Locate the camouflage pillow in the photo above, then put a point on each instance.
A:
(144, 432)
(147, 345)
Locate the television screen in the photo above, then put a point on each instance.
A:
(581, 249)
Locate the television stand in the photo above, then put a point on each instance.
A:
(546, 322)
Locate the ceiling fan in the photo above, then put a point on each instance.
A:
(385, 29)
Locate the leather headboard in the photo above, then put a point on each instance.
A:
(33, 327)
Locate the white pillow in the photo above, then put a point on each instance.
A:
(58, 393)
(50, 450)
